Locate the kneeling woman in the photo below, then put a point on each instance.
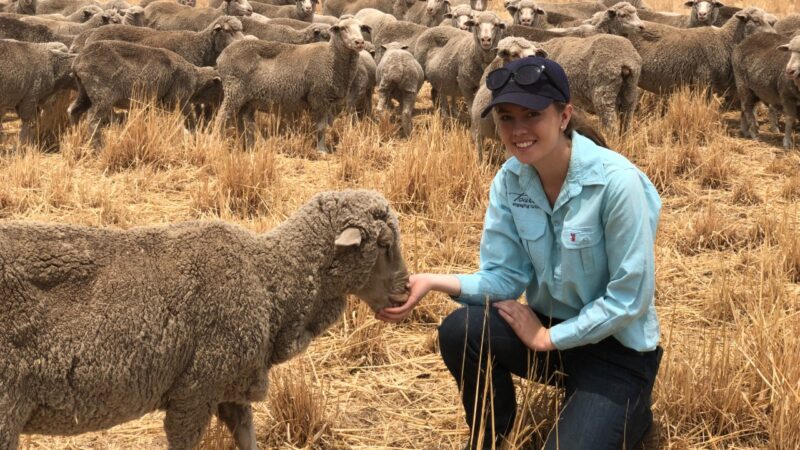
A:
(572, 224)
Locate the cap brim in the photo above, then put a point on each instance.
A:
(524, 99)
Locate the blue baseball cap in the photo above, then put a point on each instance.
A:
(532, 82)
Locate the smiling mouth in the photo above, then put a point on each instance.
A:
(524, 145)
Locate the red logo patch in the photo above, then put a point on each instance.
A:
(572, 237)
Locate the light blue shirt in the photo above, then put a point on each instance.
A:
(588, 260)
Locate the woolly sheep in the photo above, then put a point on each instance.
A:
(101, 326)
(761, 70)
(428, 12)
(359, 97)
(20, 7)
(400, 31)
(526, 12)
(789, 25)
(455, 69)
(83, 14)
(165, 15)
(134, 16)
(313, 32)
(703, 13)
(508, 49)
(11, 28)
(292, 78)
(399, 77)
(192, 3)
(300, 10)
(458, 17)
(64, 7)
(374, 18)
(200, 48)
(30, 73)
(108, 73)
(338, 8)
(61, 27)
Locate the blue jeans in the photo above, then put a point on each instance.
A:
(607, 385)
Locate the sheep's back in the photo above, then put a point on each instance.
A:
(24, 70)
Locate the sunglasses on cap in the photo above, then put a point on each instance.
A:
(524, 76)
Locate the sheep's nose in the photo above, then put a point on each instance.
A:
(791, 73)
(641, 27)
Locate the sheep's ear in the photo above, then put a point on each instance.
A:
(217, 80)
(688, 3)
(611, 13)
(501, 25)
(539, 11)
(335, 28)
(542, 52)
(448, 15)
(469, 23)
(350, 237)
(87, 14)
(771, 19)
(366, 29)
(217, 27)
(503, 53)
(741, 15)
(718, 4)
(403, 47)
(512, 9)
(783, 48)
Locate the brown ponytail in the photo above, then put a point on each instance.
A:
(579, 123)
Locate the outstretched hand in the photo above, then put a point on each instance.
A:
(418, 286)
(526, 325)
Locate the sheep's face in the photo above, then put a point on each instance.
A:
(478, 5)
(110, 17)
(488, 30)
(459, 16)
(793, 66)
(706, 11)
(513, 48)
(87, 12)
(755, 21)
(320, 32)
(507, 3)
(526, 13)
(227, 30)
(191, 3)
(305, 7)
(433, 7)
(238, 8)
(623, 19)
(351, 33)
(134, 16)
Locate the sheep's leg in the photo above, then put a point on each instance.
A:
(604, 100)
(774, 122)
(790, 110)
(628, 100)
(239, 420)
(12, 419)
(383, 98)
(247, 121)
(748, 124)
(99, 115)
(407, 105)
(27, 113)
(185, 423)
(321, 119)
(79, 107)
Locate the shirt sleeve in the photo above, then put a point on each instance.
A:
(505, 267)
(630, 222)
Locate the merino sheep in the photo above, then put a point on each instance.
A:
(761, 70)
(27, 7)
(61, 27)
(108, 73)
(526, 12)
(455, 69)
(300, 10)
(338, 8)
(29, 74)
(291, 78)
(399, 77)
(83, 14)
(374, 18)
(313, 32)
(101, 326)
(64, 7)
(400, 31)
(704, 13)
(359, 97)
(508, 49)
(673, 57)
(200, 48)
(458, 17)
(166, 15)
(11, 28)
(428, 12)
(134, 16)
(192, 3)
(789, 25)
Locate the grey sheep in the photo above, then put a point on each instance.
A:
(300, 10)
(313, 32)
(359, 97)
(400, 31)
(603, 72)
(83, 14)
(165, 15)
(434, 38)
(789, 25)
(508, 49)
(290, 78)
(455, 70)
(704, 13)
(200, 48)
(399, 77)
(526, 12)
(673, 57)
(102, 326)
(30, 73)
(109, 73)
(458, 17)
(337, 8)
(762, 73)
(11, 28)
(374, 18)
(428, 12)
(134, 16)
(72, 28)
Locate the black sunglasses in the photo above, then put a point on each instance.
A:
(523, 76)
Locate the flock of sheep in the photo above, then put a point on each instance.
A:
(237, 57)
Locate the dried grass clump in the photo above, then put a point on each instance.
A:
(361, 150)
(791, 188)
(716, 170)
(745, 194)
(364, 341)
(710, 230)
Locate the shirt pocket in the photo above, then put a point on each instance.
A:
(532, 233)
(580, 247)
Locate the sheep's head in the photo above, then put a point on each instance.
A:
(226, 30)
(512, 48)
(622, 19)
(488, 29)
(704, 11)
(208, 88)
(134, 16)
(526, 12)
(305, 7)
(433, 7)
(350, 32)
(318, 32)
(191, 3)
(238, 7)
(367, 252)
(86, 12)
(460, 15)
(478, 5)
(109, 17)
(755, 20)
(793, 66)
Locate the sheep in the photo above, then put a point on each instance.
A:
(760, 68)
(64, 7)
(301, 10)
(399, 77)
(458, 17)
(102, 326)
(428, 12)
(400, 31)
(603, 72)
(789, 25)
(134, 16)
(456, 69)
(338, 8)
(525, 12)
(359, 97)
(30, 73)
(291, 78)
(27, 7)
(374, 18)
(11, 28)
(81, 15)
(673, 57)
(200, 48)
(434, 38)
(620, 19)
(703, 13)
(313, 32)
(108, 72)
(192, 3)
(60, 27)
(165, 15)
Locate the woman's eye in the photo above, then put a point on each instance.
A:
(505, 117)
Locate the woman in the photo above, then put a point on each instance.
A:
(573, 225)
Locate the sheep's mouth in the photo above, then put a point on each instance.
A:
(396, 300)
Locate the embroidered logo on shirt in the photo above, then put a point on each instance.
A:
(521, 200)
(572, 237)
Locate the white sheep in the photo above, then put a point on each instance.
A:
(400, 77)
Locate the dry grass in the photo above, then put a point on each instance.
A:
(728, 266)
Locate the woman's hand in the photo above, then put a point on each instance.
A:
(526, 325)
(418, 286)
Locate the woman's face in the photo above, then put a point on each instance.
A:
(531, 136)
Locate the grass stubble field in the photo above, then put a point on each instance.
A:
(728, 265)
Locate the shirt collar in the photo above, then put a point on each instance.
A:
(585, 165)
